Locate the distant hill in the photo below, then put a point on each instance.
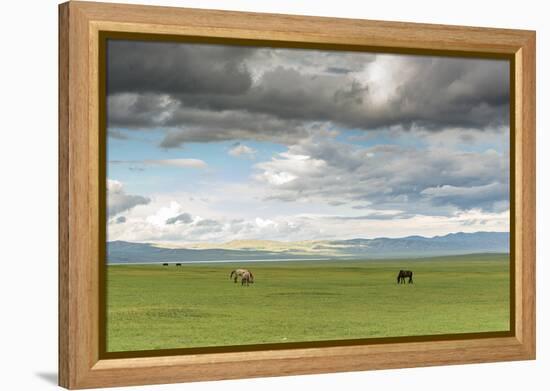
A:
(128, 252)
(248, 250)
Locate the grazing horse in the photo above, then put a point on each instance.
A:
(178, 264)
(164, 264)
(247, 278)
(239, 273)
(404, 274)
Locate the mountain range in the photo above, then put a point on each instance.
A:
(249, 250)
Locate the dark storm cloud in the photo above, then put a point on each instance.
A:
(311, 61)
(454, 92)
(438, 93)
(206, 126)
(171, 68)
(283, 93)
(211, 93)
(201, 125)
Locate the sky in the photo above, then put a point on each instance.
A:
(214, 143)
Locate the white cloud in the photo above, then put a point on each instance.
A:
(241, 150)
(288, 166)
(164, 213)
(278, 177)
(295, 227)
(181, 163)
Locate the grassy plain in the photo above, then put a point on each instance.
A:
(196, 305)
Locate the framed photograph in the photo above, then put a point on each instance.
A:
(246, 195)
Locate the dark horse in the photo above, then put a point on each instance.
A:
(404, 274)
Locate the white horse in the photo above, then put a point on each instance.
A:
(247, 278)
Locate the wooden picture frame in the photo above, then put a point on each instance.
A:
(81, 24)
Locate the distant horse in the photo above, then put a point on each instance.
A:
(164, 264)
(404, 274)
(239, 273)
(247, 278)
(178, 264)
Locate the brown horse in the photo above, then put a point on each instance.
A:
(404, 274)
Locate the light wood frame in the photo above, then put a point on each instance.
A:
(80, 24)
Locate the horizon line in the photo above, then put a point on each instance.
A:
(317, 240)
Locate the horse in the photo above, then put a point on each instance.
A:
(178, 264)
(247, 278)
(239, 273)
(164, 264)
(404, 274)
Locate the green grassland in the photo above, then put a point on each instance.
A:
(159, 307)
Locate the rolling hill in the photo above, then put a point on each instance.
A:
(248, 250)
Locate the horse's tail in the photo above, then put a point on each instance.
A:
(231, 275)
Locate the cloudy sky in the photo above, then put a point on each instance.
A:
(215, 143)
